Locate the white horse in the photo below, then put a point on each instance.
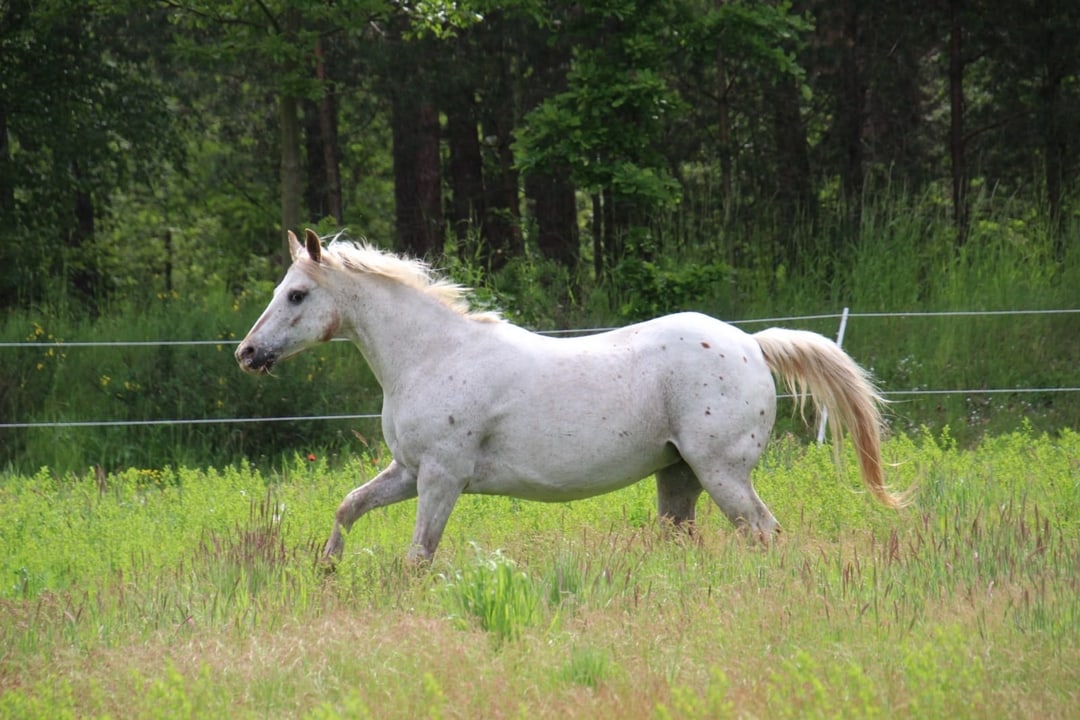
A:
(474, 404)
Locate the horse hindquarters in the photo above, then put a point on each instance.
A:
(722, 407)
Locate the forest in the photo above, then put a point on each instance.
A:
(575, 162)
(184, 130)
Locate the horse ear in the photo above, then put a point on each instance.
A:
(294, 245)
(314, 245)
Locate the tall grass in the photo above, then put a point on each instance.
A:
(904, 258)
(493, 593)
(49, 383)
(196, 593)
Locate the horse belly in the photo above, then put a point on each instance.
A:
(555, 464)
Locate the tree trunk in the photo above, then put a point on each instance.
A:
(551, 195)
(328, 135)
(957, 152)
(291, 185)
(417, 190)
(9, 267)
(501, 230)
(467, 205)
(794, 190)
(429, 180)
(554, 207)
(289, 112)
(83, 274)
(315, 205)
(7, 176)
(322, 188)
(598, 236)
(723, 125)
(612, 233)
(1055, 141)
(851, 110)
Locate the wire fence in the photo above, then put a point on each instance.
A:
(843, 317)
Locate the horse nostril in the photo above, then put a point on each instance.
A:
(245, 352)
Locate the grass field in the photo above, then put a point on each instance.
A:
(195, 593)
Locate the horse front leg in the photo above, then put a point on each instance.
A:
(438, 491)
(392, 485)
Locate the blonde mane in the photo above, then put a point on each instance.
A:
(360, 257)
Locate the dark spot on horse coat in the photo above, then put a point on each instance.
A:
(451, 419)
(705, 345)
(331, 330)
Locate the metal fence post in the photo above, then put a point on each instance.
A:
(839, 344)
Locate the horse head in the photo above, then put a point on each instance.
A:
(302, 313)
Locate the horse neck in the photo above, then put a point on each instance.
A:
(397, 326)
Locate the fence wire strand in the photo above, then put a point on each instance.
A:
(580, 331)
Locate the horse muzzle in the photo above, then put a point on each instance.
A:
(254, 359)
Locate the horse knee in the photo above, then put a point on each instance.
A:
(343, 516)
(351, 508)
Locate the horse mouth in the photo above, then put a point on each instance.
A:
(255, 361)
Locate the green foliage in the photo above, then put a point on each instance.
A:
(802, 688)
(70, 139)
(608, 125)
(712, 704)
(652, 290)
(177, 696)
(442, 18)
(352, 707)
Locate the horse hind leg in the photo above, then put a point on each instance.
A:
(728, 484)
(677, 493)
(733, 492)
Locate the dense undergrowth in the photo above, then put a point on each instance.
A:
(906, 260)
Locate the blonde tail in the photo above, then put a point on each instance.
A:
(810, 364)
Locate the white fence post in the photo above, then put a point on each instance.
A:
(840, 344)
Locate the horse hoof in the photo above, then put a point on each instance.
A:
(327, 562)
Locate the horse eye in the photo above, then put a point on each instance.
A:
(297, 296)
